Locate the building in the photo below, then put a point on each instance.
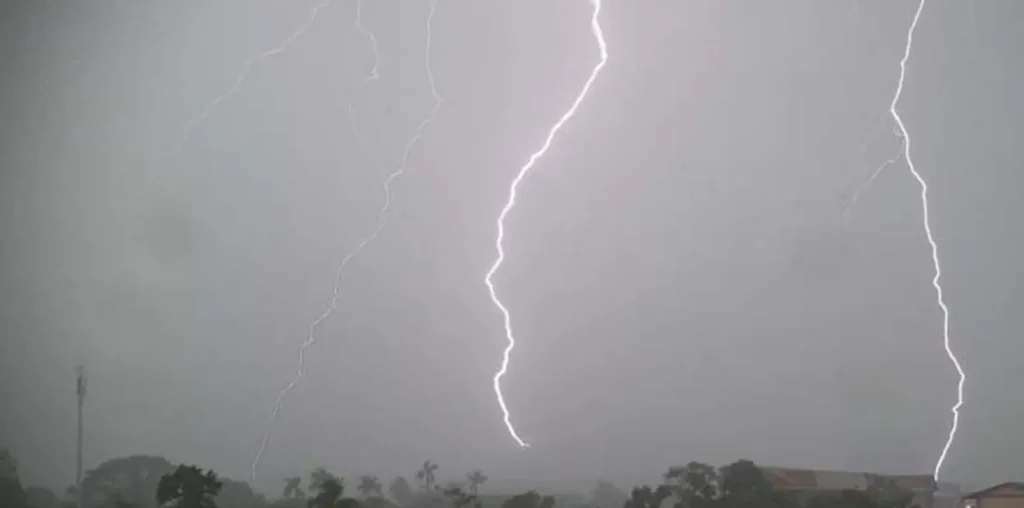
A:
(1004, 495)
(804, 484)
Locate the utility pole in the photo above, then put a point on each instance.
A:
(80, 373)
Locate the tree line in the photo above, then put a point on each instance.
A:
(153, 482)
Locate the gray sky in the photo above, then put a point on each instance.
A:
(682, 282)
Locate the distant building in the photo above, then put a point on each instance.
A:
(804, 484)
(1004, 495)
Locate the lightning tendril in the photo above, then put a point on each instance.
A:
(595, 27)
(382, 214)
(931, 241)
(244, 73)
(867, 183)
(374, 73)
(205, 113)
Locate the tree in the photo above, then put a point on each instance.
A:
(117, 500)
(450, 485)
(188, 487)
(646, 497)
(426, 474)
(329, 489)
(42, 497)
(476, 479)
(529, 499)
(605, 495)
(11, 492)
(458, 497)
(744, 486)
(369, 485)
(235, 494)
(8, 465)
(293, 489)
(321, 476)
(400, 490)
(695, 485)
(134, 478)
(377, 502)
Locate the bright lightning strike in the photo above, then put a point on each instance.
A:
(931, 241)
(382, 215)
(595, 28)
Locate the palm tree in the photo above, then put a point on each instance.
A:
(476, 479)
(292, 490)
(188, 487)
(426, 475)
(368, 485)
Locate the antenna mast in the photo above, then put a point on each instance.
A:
(80, 374)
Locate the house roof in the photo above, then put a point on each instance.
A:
(791, 479)
(914, 482)
(819, 479)
(1005, 489)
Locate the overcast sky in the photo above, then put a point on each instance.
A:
(682, 281)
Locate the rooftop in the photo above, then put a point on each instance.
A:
(1005, 489)
(818, 479)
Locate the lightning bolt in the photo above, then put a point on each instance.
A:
(931, 241)
(595, 28)
(382, 215)
(243, 73)
(205, 113)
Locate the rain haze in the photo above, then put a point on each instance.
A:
(696, 269)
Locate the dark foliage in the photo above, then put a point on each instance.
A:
(188, 487)
(152, 482)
